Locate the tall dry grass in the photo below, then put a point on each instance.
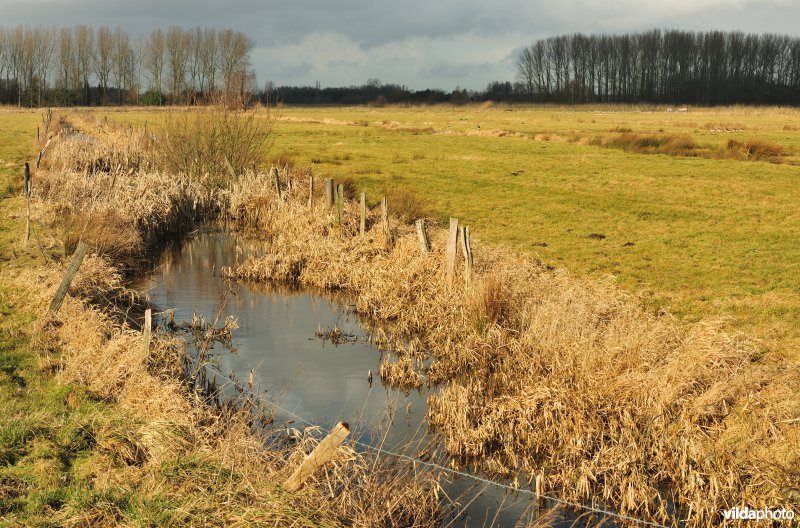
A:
(567, 380)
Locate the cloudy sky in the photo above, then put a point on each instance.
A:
(419, 43)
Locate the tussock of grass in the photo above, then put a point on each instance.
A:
(567, 380)
(755, 150)
(673, 145)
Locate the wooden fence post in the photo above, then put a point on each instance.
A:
(387, 235)
(363, 227)
(277, 179)
(37, 135)
(310, 190)
(422, 236)
(27, 189)
(452, 240)
(323, 453)
(147, 330)
(328, 193)
(467, 249)
(77, 259)
(339, 203)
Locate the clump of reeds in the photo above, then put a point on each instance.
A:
(400, 374)
(567, 380)
(755, 150)
(672, 145)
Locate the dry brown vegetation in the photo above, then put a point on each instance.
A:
(567, 380)
(170, 445)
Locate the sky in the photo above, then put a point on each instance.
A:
(417, 43)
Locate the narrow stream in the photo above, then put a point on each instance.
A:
(308, 377)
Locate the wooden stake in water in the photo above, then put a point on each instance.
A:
(362, 228)
(61, 292)
(466, 247)
(147, 331)
(27, 189)
(321, 455)
(422, 236)
(452, 241)
(339, 203)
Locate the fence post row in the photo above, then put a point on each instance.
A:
(452, 241)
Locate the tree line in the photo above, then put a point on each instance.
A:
(672, 66)
(82, 66)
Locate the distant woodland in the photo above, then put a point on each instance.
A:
(45, 66)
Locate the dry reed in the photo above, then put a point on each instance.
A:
(567, 380)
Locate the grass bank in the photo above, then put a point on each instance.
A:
(98, 431)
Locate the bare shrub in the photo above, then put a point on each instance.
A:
(210, 144)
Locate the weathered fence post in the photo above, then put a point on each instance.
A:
(277, 179)
(422, 236)
(387, 235)
(310, 190)
(323, 453)
(147, 330)
(41, 153)
(339, 203)
(37, 135)
(467, 249)
(452, 240)
(363, 226)
(328, 193)
(77, 259)
(27, 189)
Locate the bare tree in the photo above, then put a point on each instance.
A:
(177, 56)
(84, 48)
(234, 50)
(209, 60)
(121, 62)
(103, 59)
(44, 49)
(155, 59)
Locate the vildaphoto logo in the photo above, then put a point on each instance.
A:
(750, 514)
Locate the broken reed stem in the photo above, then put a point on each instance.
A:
(363, 226)
(27, 190)
(466, 247)
(61, 292)
(323, 453)
(422, 236)
(387, 235)
(452, 240)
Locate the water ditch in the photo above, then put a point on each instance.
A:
(307, 379)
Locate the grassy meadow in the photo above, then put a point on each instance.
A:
(701, 235)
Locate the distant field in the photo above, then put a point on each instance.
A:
(698, 235)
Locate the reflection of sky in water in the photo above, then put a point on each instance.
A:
(318, 381)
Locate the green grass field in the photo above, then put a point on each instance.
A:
(700, 236)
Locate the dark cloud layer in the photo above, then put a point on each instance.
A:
(420, 43)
